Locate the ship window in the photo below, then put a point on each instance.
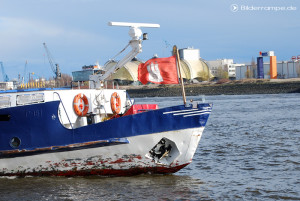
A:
(15, 142)
(4, 117)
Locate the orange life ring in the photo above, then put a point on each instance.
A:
(115, 103)
(81, 105)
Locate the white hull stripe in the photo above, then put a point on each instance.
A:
(192, 112)
(189, 113)
(200, 113)
(179, 111)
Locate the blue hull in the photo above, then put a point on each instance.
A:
(39, 129)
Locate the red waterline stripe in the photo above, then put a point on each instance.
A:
(102, 172)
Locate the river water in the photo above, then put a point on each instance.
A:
(250, 150)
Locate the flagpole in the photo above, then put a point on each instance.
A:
(175, 52)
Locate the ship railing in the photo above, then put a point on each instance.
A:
(107, 84)
(80, 84)
(110, 84)
(64, 109)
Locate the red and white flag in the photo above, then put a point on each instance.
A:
(159, 71)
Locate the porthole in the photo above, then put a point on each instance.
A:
(15, 142)
(4, 117)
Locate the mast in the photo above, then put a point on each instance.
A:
(176, 53)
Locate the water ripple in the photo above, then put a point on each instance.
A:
(250, 150)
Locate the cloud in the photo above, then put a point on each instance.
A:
(15, 31)
(21, 34)
(22, 39)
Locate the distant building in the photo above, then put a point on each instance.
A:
(285, 69)
(128, 74)
(86, 71)
(226, 65)
(189, 53)
(6, 86)
(193, 66)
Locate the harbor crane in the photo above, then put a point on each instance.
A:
(4, 75)
(24, 75)
(54, 66)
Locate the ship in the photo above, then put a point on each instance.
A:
(97, 130)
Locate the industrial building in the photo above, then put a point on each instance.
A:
(6, 86)
(86, 71)
(193, 66)
(224, 65)
(285, 69)
(128, 74)
(193, 69)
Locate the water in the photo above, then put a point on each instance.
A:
(250, 150)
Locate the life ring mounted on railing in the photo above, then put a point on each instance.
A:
(81, 105)
(115, 103)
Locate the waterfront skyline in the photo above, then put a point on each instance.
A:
(77, 34)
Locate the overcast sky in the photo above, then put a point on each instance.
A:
(77, 34)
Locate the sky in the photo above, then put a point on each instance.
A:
(76, 32)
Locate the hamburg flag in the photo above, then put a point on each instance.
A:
(159, 71)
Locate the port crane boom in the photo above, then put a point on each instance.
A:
(24, 75)
(54, 66)
(4, 75)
